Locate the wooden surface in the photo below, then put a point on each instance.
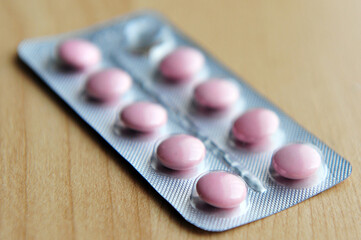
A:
(59, 182)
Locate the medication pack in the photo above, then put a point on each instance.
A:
(220, 153)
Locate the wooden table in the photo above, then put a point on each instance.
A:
(59, 182)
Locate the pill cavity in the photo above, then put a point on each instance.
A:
(255, 125)
(296, 161)
(216, 94)
(78, 53)
(182, 64)
(108, 84)
(144, 116)
(181, 152)
(142, 34)
(221, 189)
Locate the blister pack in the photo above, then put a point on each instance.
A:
(217, 151)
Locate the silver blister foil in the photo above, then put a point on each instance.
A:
(136, 43)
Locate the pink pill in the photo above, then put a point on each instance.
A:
(222, 189)
(216, 94)
(255, 125)
(296, 161)
(144, 116)
(182, 64)
(79, 54)
(108, 84)
(181, 152)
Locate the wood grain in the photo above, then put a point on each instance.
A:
(58, 181)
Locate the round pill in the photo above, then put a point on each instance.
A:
(216, 94)
(181, 152)
(144, 116)
(181, 64)
(108, 84)
(254, 125)
(221, 189)
(79, 54)
(296, 161)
